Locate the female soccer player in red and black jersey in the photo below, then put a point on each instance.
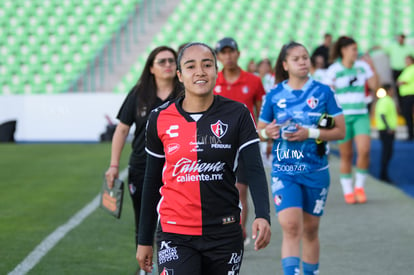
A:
(194, 145)
(158, 83)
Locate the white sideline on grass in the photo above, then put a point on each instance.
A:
(50, 241)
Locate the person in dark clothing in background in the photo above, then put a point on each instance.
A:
(323, 49)
(386, 121)
(158, 83)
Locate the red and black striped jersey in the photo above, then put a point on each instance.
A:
(198, 194)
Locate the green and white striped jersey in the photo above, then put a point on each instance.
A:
(349, 85)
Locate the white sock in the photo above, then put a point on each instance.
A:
(360, 177)
(346, 183)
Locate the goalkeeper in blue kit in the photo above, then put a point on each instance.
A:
(300, 115)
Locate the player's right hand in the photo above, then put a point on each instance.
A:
(111, 174)
(261, 233)
(273, 130)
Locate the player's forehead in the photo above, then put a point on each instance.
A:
(297, 51)
(197, 53)
(164, 54)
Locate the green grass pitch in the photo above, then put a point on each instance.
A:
(43, 186)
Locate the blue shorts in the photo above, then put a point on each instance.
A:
(290, 191)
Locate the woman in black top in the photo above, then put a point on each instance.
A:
(158, 83)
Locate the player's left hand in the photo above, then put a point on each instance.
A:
(261, 233)
(144, 257)
(301, 134)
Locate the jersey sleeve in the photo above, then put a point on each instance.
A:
(266, 114)
(150, 198)
(247, 129)
(256, 177)
(128, 110)
(329, 76)
(332, 104)
(154, 146)
(368, 71)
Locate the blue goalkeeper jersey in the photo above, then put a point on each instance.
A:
(303, 107)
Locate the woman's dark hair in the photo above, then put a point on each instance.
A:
(342, 42)
(280, 73)
(146, 87)
(181, 53)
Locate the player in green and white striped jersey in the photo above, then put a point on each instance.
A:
(348, 76)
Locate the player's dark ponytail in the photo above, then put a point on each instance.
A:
(280, 73)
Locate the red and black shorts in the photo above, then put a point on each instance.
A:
(184, 254)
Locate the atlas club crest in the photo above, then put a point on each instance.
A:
(312, 102)
(219, 129)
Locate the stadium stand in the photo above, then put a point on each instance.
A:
(261, 27)
(46, 44)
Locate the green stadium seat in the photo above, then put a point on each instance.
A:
(4, 73)
(305, 21)
(54, 39)
(40, 32)
(9, 6)
(5, 89)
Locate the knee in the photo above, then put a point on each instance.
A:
(310, 233)
(364, 152)
(292, 229)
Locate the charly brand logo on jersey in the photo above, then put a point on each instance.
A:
(235, 261)
(245, 89)
(172, 148)
(281, 103)
(167, 253)
(219, 128)
(167, 271)
(170, 131)
(312, 102)
(217, 89)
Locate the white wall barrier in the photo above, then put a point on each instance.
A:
(61, 117)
